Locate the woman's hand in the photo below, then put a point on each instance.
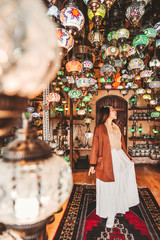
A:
(91, 170)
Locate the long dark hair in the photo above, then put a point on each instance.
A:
(104, 114)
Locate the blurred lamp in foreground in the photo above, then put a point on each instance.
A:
(35, 184)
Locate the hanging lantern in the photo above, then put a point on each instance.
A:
(123, 51)
(111, 37)
(154, 63)
(153, 102)
(66, 89)
(107, 70)
(72, 18)
(87, 65)
(98, 16)
(158, 109)
(83, 82)
(157, 27)
(75, 94)
(93, 4)
(151, 33)
(65, 40)
(92, 81)
(86, 99)
(132, 51)
(111, 52)
(155, 84)
(32, 192)
(134, 12)
(108, 87)
(135, 65)
(124, 92)
(53, 12)
(133, 101)
(146, 73)
(140, 42)
(147, 97)
(73, 67)
(53, 97)
(155, 114)
(81, 112)
(96, 38)
(122, 34)
(72, 79)
(140, 91)
(88, 120)
(134, 86)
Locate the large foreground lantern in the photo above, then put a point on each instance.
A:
(35, 184)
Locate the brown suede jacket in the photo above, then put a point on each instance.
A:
(101, 156)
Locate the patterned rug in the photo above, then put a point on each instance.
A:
(80, 221)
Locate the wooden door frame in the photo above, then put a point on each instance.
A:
(118, 109)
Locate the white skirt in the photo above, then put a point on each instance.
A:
(116, 197)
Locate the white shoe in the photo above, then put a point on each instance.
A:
(110, 222)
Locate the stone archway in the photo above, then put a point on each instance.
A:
(121, 106)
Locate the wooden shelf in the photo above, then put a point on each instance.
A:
(68, 117)
(82, 149)
(148, 120)
(144, 139)
(141, 108)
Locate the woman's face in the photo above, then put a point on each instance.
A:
(113, 113)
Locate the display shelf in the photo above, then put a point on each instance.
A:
(140, 108)
(74, 117)
(82, 149)
(148, 120)
(144, 139)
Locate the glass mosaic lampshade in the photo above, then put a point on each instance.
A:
(154, 63)
(147, 97)
(87, 64)
(158, 109)
(86, 99)
(95, 37)
(153, 101)
(107, 69)
(108, 87)
(53, 12)
(140, 42)
(146, 73)
(123, 51)
(140, 91)
(65, 40)
(150, 32)
(155, 84)
(72, 18)
(83, 82)
(136, 65)
(111, 52)
(73, 67)
(134, 12)
(157, 27)
(155, 114)
(122, 33)
(53, 97)
(98, 16)
(111, 37)
(75, 93)
(81, 112)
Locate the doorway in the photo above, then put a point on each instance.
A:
(121, 106)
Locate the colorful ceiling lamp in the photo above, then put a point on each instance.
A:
(72, 79)
(140, 42)
(93, 4)
(134, 12)
(123, 51)
(65, 40)
(158, 108)
(53, 12)
(108, 87)
(88, 120)
(134, 86)
(135, 65)
(151, 33)
(73, 67)
(75, 94)
(155, 114)
(111, 53)
(155, 84)
(86, 99)
(107, 70)
(154, 63)
(92, 81)
(124, 92)
(147, 97)
(140, 91)
(111, 37)
(157, 27)
(122, 34)
(66, 89)
(96, 38)
(132, 51)
(53, 97)
(98, 16)
(87, 65)
(153, 102)
(72, 18)
(146, 73)
(81, 112)
(83, 82)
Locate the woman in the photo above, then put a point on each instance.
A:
(116, 188)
